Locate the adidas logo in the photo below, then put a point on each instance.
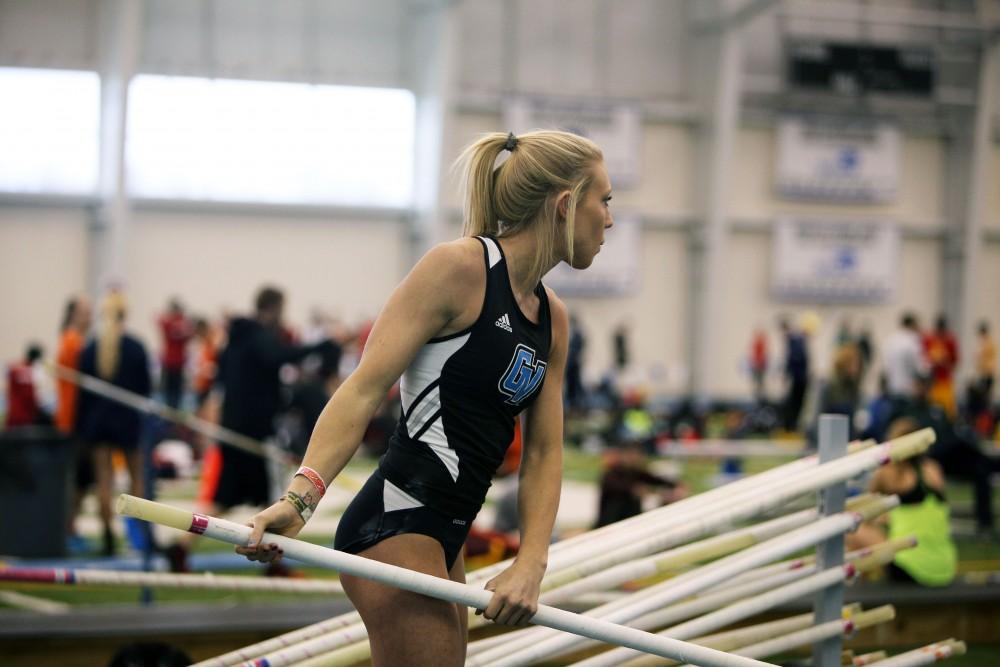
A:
(504, 323)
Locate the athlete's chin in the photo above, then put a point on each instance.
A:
(582, 261)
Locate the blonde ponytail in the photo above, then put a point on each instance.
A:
(109, 340)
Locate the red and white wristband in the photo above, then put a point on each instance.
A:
(314, 478)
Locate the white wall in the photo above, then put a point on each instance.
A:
(218, 261)
(43, 260)
(746, 284)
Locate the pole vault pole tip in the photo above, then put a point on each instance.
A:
(147, 510)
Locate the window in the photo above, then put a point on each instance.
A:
(49, 129)
(213, 139)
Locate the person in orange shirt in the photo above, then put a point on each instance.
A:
(72, 336)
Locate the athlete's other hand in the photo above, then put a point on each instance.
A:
(280, 518)
(515, 594)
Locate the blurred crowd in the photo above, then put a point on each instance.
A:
(263, 378)
(254, 374)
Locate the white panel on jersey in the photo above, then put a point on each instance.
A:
(394, 498)
(426, 367)
(429, 405)
(435, 438)
(492, 250)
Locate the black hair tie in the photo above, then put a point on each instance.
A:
(511, 142)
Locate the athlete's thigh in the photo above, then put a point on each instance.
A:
(407, 628)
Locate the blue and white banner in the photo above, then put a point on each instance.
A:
(615, 127)
(834, 261)
(616, 271)
(840, 160)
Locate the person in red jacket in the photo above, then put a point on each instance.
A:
(177, 330)
(22, 401)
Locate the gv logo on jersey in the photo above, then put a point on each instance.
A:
(523, 375)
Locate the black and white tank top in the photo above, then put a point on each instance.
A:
(460, 396)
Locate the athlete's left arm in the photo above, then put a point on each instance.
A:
(516, 589)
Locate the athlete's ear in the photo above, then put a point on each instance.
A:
(562, 204)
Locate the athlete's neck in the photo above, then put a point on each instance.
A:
(519, 250)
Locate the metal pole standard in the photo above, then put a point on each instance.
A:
(416, 582)
(833, 435)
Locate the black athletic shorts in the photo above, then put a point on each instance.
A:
(382, 510)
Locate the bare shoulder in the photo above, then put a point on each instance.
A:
(557, 309)
(452, 266)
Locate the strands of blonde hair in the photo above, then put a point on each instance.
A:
(519, 194)
(109, 340)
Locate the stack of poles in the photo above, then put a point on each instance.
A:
(797, 478)
(416, 582)
(347, 629)
(650, 533)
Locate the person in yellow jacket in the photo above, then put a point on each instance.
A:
(922, 513)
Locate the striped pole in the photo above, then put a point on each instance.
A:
(206, 581)
(416, 582)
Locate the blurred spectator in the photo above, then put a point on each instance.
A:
(23, 405)
(307, 398)
(796, 374)
(176, 330)
(904, 359)
(249, 376)
(986, 361)
(956, 449)
(105, 424)
(841, 393)
(922, 513)
(626, 483)
(574, 365)
(72, 337)
(206, 361)
(620, 345)
(980, 393)
(941, 350)
(878, 413)
(758, 364)
(866, 351)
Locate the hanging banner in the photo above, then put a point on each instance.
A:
(616, 271)
(839, 160)
(834, 261)
(615, 127)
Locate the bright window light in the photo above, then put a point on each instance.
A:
(49, 128)
(213, 139)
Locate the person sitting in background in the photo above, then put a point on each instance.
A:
(957, 451)
(23, 406)
(626, 483)
(922, 513)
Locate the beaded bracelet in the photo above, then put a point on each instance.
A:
(304, 506)
(314, 477)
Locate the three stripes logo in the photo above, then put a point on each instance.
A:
(504, 323)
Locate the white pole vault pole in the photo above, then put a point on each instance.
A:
(207, 581)
(416, 582)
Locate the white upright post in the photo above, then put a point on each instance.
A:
(833, 436)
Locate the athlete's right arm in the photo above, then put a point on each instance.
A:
(442, 294)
